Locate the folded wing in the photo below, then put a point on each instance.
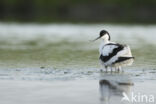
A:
(113, 52)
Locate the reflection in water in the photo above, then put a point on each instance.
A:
(112, 86)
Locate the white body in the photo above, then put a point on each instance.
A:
(106, 50)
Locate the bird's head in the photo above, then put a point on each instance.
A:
(103, 35)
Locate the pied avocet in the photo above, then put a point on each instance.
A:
(113, 55)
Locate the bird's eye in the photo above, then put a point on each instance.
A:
(102, 34)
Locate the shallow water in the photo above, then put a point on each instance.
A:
(56, 57)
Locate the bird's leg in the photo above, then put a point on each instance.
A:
(106, 68)
(111, 69)
(119, 69)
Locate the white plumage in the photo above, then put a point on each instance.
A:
(112, 54)
(106, 49)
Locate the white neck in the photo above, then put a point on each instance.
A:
(105, 38)
(105, 41)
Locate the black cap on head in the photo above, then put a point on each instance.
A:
(103, 32)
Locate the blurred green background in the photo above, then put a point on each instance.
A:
(84, 11)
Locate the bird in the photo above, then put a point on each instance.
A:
(113, 55)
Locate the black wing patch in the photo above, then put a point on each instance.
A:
(120, 59)
(114, 52)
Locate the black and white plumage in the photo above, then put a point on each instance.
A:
(112, 54)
